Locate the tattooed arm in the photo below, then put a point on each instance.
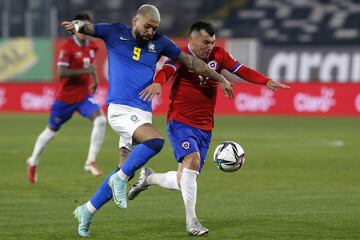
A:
(79, 26)
(198, 66)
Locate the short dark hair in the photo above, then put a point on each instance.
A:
(83, 17)
(201, 25)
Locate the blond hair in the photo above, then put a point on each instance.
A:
(150, 11)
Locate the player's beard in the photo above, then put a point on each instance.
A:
(140, 39)
(205, 54)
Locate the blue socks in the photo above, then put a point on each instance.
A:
(137, 158)
(141, 154)
(104, 193)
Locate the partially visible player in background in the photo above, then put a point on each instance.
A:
(78, 81)
(191, 117)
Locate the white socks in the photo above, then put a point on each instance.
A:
(188, 186)
(188, 190)
(40, 144)
(90, 207)
(165, 180)
(122, 175)
(97, 137)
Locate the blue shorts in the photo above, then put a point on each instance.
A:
(62, 112)
(186, 139)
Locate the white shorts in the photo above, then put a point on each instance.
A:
(124, 120)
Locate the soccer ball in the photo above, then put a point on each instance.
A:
(229, 156)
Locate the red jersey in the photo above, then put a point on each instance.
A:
(73, 55)
(192, 96)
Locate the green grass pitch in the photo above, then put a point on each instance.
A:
(301, 180)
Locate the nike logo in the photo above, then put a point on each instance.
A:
(124, 39)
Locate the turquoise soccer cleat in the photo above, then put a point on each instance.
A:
(118, 187)
(84, 217)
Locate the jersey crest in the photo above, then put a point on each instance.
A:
(213, 64)
(151, 46)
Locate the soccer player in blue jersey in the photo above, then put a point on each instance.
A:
(132, 55)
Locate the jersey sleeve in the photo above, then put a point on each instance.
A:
(165, 73)
(246, 73)
(251, 75)
(105, 30)
(64, 56)
(172, 64)
(95, 47)
(171, 50)
(229, 63)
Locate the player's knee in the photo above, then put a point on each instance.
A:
(124, 154)
(52, 130)
(156, 144)
(192, 161)
(100, 120)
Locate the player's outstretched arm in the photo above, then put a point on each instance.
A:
(95, 83)
(273, 85)
(253, 76)
(79, 26)
(64, 72)
(198, 66)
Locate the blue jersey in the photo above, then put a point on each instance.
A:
(131, 66)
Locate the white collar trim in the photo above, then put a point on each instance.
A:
(78, 42)
(191, 49)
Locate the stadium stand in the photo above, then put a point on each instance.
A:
(300, 21)
(40, 17)
(271, 21)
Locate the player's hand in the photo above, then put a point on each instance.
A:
(72, 27)
(150, 92)
(227, 88)
(273, 85)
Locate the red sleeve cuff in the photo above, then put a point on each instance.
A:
(251, 75)
(164, 74)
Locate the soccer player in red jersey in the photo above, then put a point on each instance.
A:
(78, 81)
(191, 117)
